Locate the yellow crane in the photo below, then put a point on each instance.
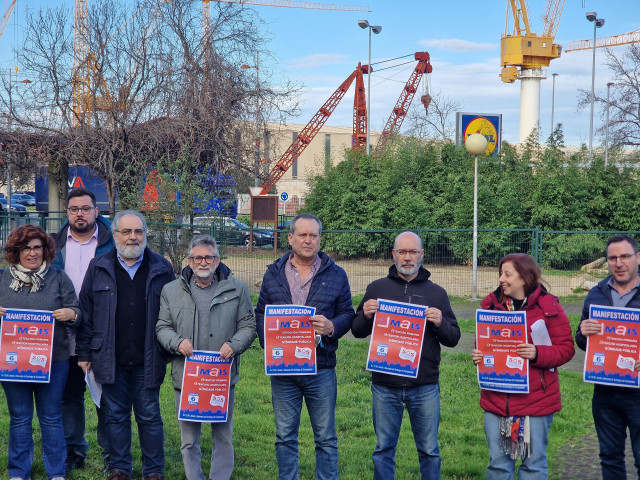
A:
(523, 54)
(604, 42)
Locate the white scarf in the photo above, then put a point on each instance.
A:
(22, 276)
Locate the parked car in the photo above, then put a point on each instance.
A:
(230, 231)
(25, 192)
(15, 207)
(23, 199)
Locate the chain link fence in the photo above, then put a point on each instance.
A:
(572, 261)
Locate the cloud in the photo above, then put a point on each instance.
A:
(318, 60)
(457, 45)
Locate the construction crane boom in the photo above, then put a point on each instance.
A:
(308, 133)
(401, 108)
(359, 136)
(603, 42)
(295, 4)
(7, 16)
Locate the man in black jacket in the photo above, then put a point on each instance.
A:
(408, 282)
(615, 408)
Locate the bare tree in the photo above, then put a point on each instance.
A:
(439, 120)
(624, 113)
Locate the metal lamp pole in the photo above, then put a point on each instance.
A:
(256, 181)
(553, 101)
(376, 29)
(597, 23)
(476, 144)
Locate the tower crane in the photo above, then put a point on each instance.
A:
(401, 108)
(308, 133)
(603, 42)
(295, 4)
(529, 52)
(7, 14)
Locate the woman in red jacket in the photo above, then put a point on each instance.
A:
(517, 424)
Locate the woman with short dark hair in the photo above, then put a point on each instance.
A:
(30, 283)
(517, 424)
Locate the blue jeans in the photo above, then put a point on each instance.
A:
(534, 467)
(423, 405)
(119, 398)
(614, 410)
(222, 461)
(48, 397)
(73, 417)
(319, 393)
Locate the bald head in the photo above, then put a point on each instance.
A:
(408, 255)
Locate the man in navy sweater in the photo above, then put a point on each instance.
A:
(307, 276)
(615, 408)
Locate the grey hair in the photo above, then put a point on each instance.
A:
(119, 215)
(307, 216)
(207, 240)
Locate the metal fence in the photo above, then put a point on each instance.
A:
(572, 261)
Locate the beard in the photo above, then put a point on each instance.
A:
(131, 251)
(408, 269)
(204, 275)
(82, 229)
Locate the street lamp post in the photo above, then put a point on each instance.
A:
(476, 144)
(376, 29)
(10, 121)
(597, 23)
(606, 138)
(256, 181)
(553, 101)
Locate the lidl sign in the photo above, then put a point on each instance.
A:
(489, 125)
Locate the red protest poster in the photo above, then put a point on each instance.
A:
(289, 340)
(205, 387)
(497, 336)
(396, 338)
(611, 355)
(26, 343)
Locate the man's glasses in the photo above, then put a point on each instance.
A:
(206, 258)
(624, 257)
(74, 210)
(413, 253)
(127, 231)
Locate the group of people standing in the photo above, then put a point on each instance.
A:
(121, 315)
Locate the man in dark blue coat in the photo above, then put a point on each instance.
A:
(120, 301)
(308, 277)
(615, 409)
(85, 235)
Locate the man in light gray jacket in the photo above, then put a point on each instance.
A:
(205, 309)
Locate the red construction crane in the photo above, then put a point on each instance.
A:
(307, 134)
(401, 108)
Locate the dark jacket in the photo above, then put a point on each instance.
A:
(419, 291)
(96, 336)
(600, 295)
(231, 319)
(544, 389)
(105, 241)
(329, 294)
(57, 292)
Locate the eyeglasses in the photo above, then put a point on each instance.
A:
(127, 231)
(37, 249)
(624, 257)
(74, 210)
(206, 258)
(413, 253)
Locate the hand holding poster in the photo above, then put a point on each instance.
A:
(205, 387)
(289, 340)
(611, 355)
(26, 343)
(497, 336)
(396, 338)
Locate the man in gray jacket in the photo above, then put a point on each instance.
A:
(205, 309)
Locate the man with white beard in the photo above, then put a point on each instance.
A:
(120, 300)
(206, 309)
(408, 282)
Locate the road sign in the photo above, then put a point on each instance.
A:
(284, 196)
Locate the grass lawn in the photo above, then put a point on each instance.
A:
(462, 441)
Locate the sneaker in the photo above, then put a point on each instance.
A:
(15, 478)
(74, 461)
(58, 478)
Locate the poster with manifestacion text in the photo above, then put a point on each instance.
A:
(497, 336)
(289, 340)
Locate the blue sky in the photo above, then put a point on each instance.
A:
(319, 49)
